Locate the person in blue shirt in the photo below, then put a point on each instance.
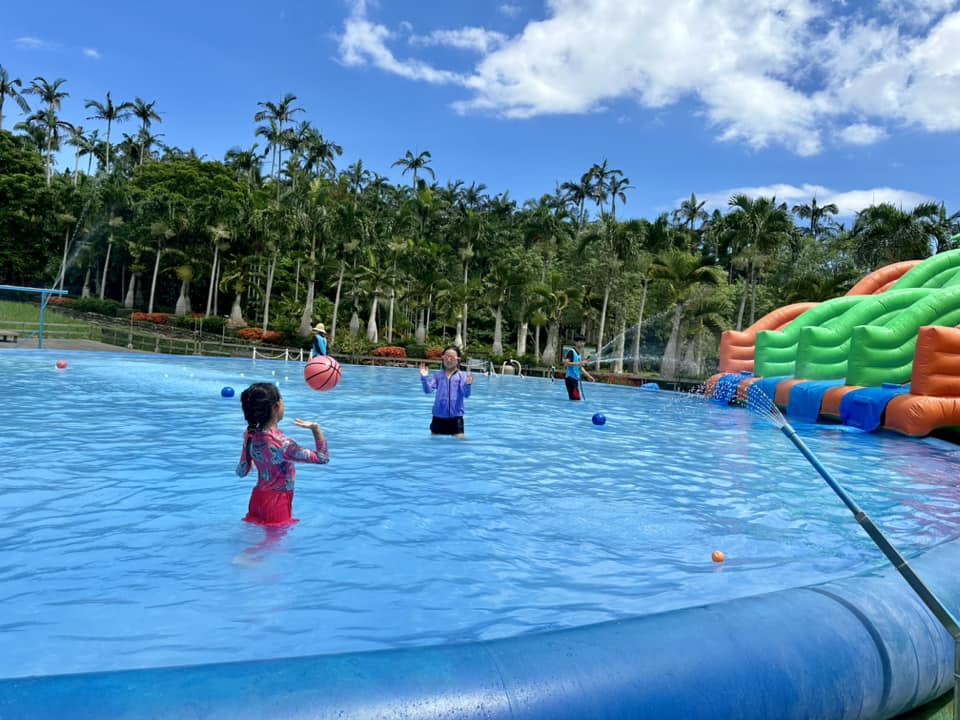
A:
(452, 386)
(575, 366)
(319, 341)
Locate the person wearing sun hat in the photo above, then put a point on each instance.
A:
(319, 340)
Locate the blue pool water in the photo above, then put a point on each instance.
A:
(121, 544)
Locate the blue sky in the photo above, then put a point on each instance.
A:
(855, 102)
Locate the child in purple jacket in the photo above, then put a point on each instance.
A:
(452, 385)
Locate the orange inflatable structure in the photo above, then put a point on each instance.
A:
(934, 398)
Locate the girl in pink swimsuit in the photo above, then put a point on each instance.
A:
(274, 454)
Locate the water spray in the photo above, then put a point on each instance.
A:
(761, 404)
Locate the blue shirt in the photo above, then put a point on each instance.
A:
(573, 371)
(319, 346)
(450, 392)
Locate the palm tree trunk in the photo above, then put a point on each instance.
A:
(153, 284)
(271, 269)
(236, 312)
(85, 292)
(497, 348)
(621, 342)
(603, 321)
(336, 301)
(131, 288)
(106, 263)
(636, 339)
(373, 334)
(213, 276)
(393, 300)
(668, 365)
(183, 301)
(743, 304)
(753, 296)
(420, 335)
(63, 265)
(553, 338)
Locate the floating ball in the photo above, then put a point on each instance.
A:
(322, 373)
(226, 392)
(61, 364)
(599, 419)
(650, 386)
(718, 556)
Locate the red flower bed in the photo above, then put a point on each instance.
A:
(391, 351)
(61, 300)
(258, 335)
(158, 318)
(434, 353)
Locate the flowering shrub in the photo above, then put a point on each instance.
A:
(259, 335)
(391, 351)
(158, 318)
(434, 353)
(61, 300)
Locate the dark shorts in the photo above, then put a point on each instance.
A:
(573, 388)
(447, 426)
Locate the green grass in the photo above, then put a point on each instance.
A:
(22, 312)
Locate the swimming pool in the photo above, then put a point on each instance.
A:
(121, 513)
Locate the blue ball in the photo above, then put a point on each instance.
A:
(599, 419)
(226, 392)
(650, 386)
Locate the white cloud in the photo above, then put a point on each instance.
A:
(92, 53)
(861, 134)
(761, 73)
(33, 43)
(510, 10)
(849, 202)
(365, 42)
(470, 38)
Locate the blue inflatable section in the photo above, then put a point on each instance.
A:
(807, 398)
(864, 408)
(862, 647)
(725, 389)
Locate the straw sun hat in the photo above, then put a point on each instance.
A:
(319, 328)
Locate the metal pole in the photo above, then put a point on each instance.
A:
(896, 559)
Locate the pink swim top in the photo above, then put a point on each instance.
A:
(274, 454)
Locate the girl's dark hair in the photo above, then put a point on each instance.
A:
(257, 402)
(448, 348)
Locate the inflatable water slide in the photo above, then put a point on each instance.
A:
(885, 354)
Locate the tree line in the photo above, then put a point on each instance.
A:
(275, 235)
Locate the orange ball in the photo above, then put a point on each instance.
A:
(61, 364)
(718, 556)
(322, 373)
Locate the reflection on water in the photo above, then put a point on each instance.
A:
(121, 543)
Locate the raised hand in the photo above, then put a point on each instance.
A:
(423, 370)
(470, 379)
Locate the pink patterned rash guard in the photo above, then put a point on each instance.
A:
(274, 454)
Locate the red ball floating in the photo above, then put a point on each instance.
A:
(61, 364)
(322, 373)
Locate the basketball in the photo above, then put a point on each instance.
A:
(322, 373)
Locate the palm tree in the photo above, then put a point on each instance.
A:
(758, 227)
(886, 234)
(246, 163)
(576, 194)
(618, 184)
(146, 114)
(278, 113)
(415, 163)
(111, 113)
(814, 213)
(681, 275)
(9, 88)
(52, 125)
